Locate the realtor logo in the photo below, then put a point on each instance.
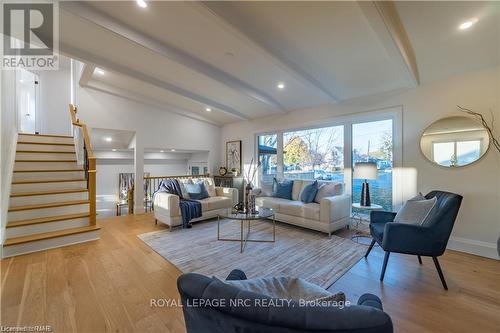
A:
(30, 35)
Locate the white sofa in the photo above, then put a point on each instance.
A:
(221, 200)
(330, 214)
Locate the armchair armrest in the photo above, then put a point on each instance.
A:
(228, 192)
(167, 202)
(370, 300)
(236, 274)
(335, 208)
(408, 238)
(381, 217)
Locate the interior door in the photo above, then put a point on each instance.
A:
(26, 103)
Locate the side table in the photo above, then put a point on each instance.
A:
(358, 219)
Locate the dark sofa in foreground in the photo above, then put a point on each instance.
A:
(209, 306)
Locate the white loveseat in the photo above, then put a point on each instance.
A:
(330, 214)
(221, 200)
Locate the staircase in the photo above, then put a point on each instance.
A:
(52, 200)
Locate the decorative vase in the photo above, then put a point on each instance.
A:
(248, 192)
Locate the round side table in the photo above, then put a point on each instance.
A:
(357, 217)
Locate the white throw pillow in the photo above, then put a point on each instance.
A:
(182, 183)
(415, 211)
(328, 190)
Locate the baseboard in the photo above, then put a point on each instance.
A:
(479, 248)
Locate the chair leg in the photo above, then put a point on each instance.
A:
(386, 259)
(370, 248)
(419, 260)
(440, 272)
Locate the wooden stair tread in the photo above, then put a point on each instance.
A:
(20, 182)
(28, 194)
(49, 235)
(48, 135)
(33, 161)
(19, 223)
(45, 152)
(51, 170)
(48, 205)
(44, 143)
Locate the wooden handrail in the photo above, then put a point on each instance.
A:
(90, 163)
(182, 176)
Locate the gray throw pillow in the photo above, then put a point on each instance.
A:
(415, 211)
(283, 288)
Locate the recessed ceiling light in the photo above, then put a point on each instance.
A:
(208, 109)
(142, 3)
(108, 139)
(172, 149)
(281, 86)
(99, 71)
(467, 24)
(113, 149)
(162, 151)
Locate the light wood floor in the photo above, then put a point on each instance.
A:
(106, 286)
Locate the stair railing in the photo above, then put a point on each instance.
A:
(151, 185)
(85, 157)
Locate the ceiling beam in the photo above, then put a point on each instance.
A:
(216, 11)
(101, 62)
(169, 51)
(385, 20)
(86, 74)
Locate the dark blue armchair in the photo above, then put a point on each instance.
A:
(429, 240)
(208, 308)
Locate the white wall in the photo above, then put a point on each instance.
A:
(55, 96)
(154, 127)
(107, 179)
(478, 225)
(8, 140)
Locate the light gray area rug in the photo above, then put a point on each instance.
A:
(297, 252)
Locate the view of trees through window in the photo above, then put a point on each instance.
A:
(372, 142)
(314, 154)
(267, 154)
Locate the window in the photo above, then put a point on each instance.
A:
(267, 155)
(314, 154)
(456, 153)
(372, 142)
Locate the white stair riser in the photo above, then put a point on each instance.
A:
(27, 146)
(45, 156)
(14, 250)
(47, 139)
(46, 227)
(47, 212)
(48, 186)
(19, 176)
(42, 199)
(19, 165)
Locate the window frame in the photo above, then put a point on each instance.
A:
(395, 113)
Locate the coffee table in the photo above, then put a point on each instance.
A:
(262, 214)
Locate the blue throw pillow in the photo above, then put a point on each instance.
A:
(309, 192)
(282, 189)
(197, 191)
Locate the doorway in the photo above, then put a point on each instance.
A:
(27, 93)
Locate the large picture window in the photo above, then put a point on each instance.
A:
(314, 154)
(373, 142)
(267, 155)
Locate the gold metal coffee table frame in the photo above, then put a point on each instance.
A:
(264, 214)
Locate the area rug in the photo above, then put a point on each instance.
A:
(297, 252)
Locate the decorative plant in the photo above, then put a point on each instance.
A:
(489, 128)
(251, 172)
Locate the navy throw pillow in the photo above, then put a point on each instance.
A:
(197, 191)
(282, 189)
(309, 192)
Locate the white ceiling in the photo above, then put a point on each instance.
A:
(229, 56)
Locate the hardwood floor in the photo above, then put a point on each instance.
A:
(107, 285)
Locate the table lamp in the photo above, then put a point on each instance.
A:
(365, 170)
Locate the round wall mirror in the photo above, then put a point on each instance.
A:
(454, 142)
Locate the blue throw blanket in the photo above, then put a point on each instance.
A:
(190, 209)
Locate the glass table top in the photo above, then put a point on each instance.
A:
(262, 213)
